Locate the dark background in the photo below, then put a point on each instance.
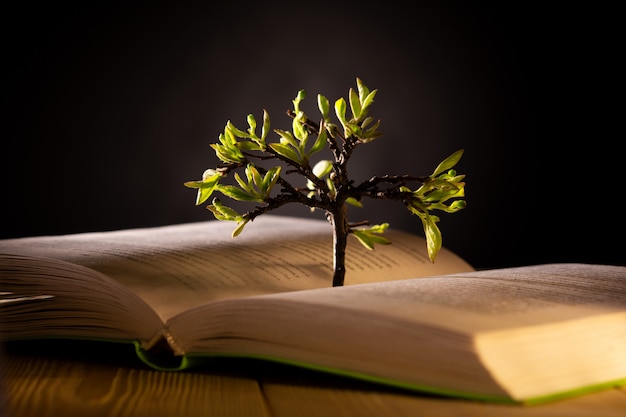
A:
(108, 108)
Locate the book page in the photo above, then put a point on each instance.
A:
(175, 268)
(44, 297)
(488, 300)
(475, 331)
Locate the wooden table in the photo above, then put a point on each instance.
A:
(90, 379)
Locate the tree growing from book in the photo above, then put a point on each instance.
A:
(324, 184)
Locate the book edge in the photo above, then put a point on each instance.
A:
(196, 360)
(164, 360)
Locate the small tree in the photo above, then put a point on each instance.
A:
(326, 184)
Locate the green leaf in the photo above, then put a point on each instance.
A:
(367, 102)
(364, 239)
(270, 179)
(448, 163)
(228, 152)
(240, 227)
(217, 213)
(340, 111)
(222, 212)
(433, 236)
(254, 176)
(371, 235)
(323, 105)
(236, 132)
(250, 146)
(286, 151)
(210, 180)
(228, 137)
(363, 90)
(286, 138)
(332, 191)
(237, 193)
(299, 131)
(355, 104)
(320, 142)
(417, 207)
(266, 125)
(203, 194)
(354, 202)
(366, 121)
(353, 129)
(457, 205)
(366, 97)
(244, 186)
(252, 126)
(299, 97)
(441, 193)
(378, 228)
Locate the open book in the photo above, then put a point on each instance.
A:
(527, 334)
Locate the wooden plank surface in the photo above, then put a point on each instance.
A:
(90, 379)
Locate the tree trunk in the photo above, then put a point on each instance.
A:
(339, 221)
